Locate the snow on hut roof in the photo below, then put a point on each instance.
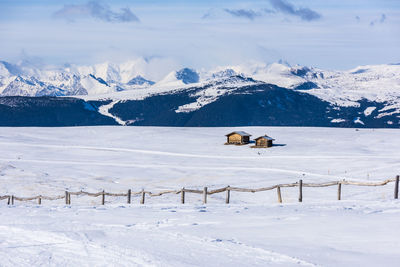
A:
(265, 137)
(242, 133)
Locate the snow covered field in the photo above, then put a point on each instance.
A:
(253, 230)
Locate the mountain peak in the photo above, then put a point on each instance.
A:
(139, 80)
(187, 76)
(223, 74)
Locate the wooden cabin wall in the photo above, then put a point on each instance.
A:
(269, 144)
(261, 142)
(235, 138)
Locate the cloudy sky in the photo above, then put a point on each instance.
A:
(330, 34)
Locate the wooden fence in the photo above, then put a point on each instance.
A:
(205, 192)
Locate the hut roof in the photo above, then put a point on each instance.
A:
(265, 137)
(242, 133)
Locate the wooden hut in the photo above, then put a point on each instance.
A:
(237, 138)
(263, 141)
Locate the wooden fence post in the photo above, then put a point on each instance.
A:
(129, 196)
(205, 195)
(228, 195)
(339, 191)
(40, 200)
(278, 190)
(183, 195)
(103, 198)
(12, 200)
(396, 188)
(66, 198)
(301, 190)
(143, 197)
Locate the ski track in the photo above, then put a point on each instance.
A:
(171, 166)
(154, 152)
(105, 110)
(180, 166)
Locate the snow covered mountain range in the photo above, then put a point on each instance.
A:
(376, 85)
(375, 82)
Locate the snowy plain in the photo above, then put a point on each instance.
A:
(254, 230)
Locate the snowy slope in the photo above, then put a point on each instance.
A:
(332, 234)
(380, 83)
(219, 85)
(254, 230)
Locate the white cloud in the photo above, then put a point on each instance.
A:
(95, 10)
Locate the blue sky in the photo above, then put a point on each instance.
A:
(202, 34)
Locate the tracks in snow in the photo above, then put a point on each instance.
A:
(162, 166)
(88, 247)
(25, 247)
(184, 155)
(176, 154)
(227, 249)
(180, 166)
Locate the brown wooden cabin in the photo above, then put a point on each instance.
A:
(237, 138)
(263, 141)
